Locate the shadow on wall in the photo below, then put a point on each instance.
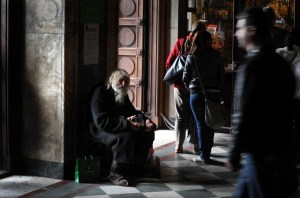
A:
(42, 137)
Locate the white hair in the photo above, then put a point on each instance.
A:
(120, 92)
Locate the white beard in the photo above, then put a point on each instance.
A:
(120, 94)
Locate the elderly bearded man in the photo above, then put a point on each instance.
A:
(122, 128)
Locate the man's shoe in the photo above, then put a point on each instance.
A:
(118, 179)
(198, 159)
(207, 161)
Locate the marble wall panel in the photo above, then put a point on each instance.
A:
(173, 29)
(49, 89)
(43, 97)
(44, 16)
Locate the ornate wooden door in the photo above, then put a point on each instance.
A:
(130, 49)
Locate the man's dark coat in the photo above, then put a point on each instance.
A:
(108, 123)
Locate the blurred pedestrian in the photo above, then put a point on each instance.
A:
(278, 34)
(262, 121)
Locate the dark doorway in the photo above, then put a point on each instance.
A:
(12, 59)
(4, 165)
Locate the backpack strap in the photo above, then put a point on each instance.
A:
(293, 58)
(182, 46)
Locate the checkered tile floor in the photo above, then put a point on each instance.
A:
(180, 178)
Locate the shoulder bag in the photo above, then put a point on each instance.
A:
(175, 72)
(87, 169)
(214, 110)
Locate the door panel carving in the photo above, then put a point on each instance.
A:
(130, 47)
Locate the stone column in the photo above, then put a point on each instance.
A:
(49, 87)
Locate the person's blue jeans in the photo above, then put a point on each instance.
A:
(205, 134)
(248, 185)
(267, 176)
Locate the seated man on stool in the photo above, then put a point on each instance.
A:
(117, 124)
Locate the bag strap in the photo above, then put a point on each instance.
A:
(199, 76)
(182, 46)
(293, 58)
(200, 81)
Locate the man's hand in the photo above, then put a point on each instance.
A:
(233, 166)
(135, 126)
(150, 126)
(131, 118)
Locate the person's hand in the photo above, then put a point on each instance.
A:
(136, 123)
(150, 126)
(131, 118)
(232, 166)
(229, 166)
(133, 125)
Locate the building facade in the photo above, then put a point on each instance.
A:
(54, 51)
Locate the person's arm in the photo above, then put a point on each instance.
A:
(137, 119)
(174, 52)
(187, 72)
(103, 118)
(244, 119)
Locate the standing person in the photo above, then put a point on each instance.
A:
(278, 34)
(123, 129)
(181, 94)
(291, 53)
(211, 69)
(262, 120)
